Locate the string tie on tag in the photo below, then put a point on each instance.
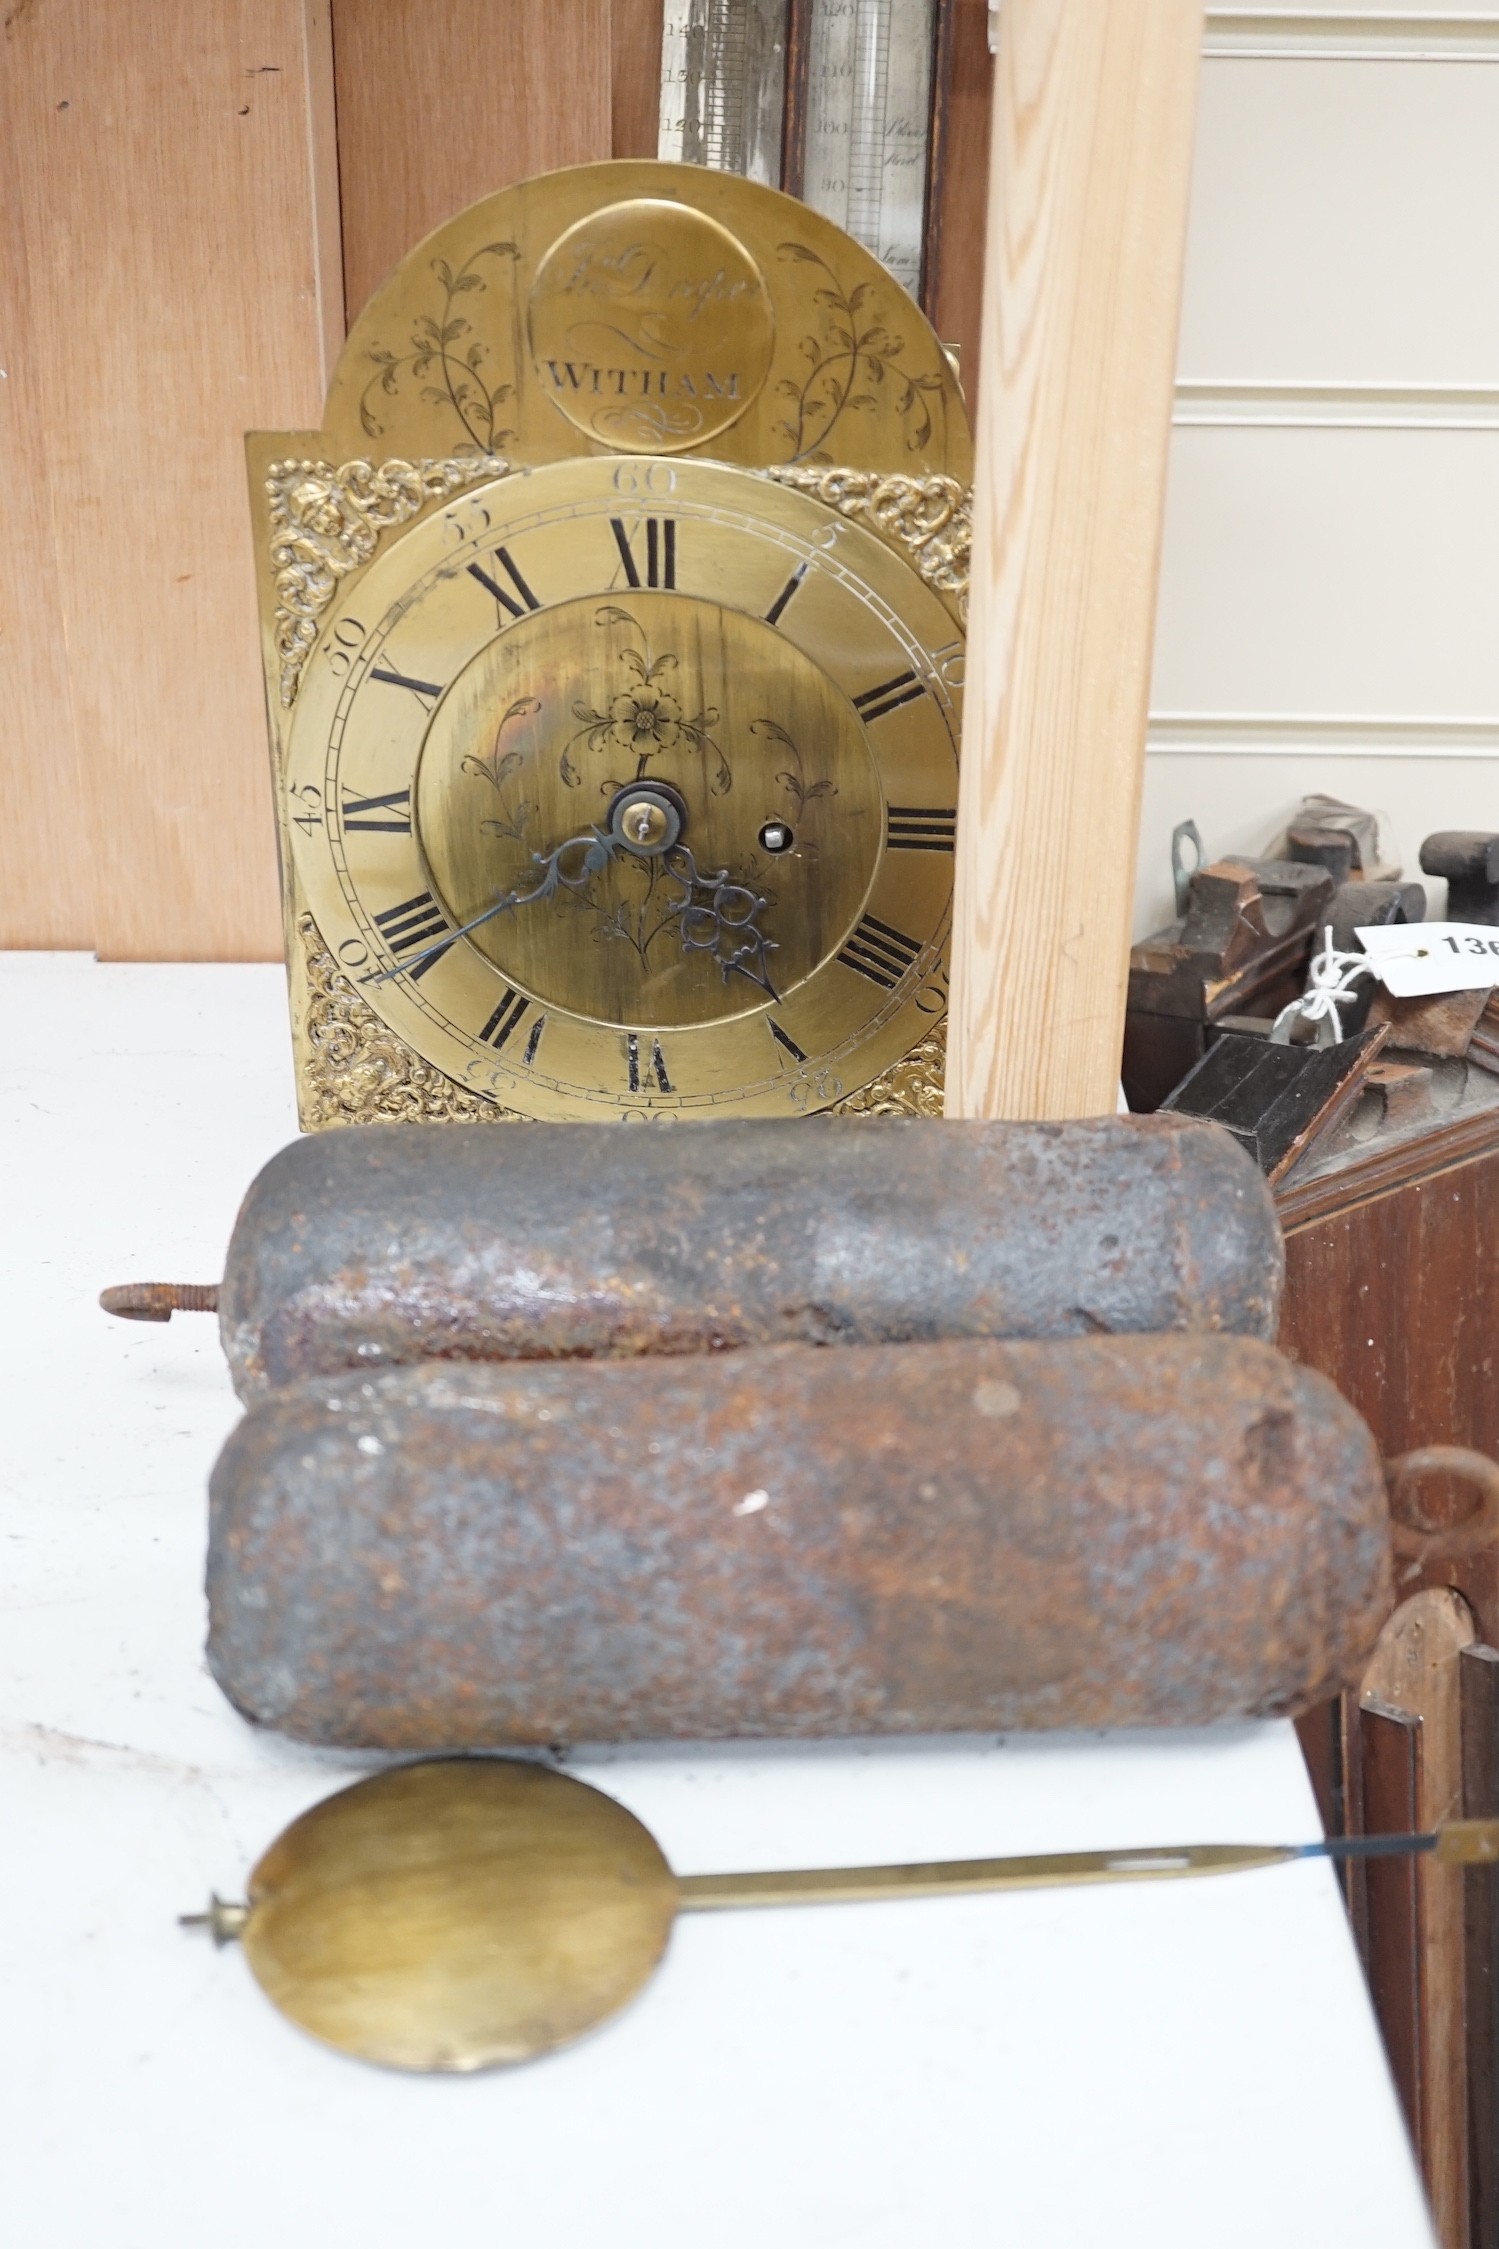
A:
(1329, 985)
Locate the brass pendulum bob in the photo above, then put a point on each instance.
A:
(466, 1912)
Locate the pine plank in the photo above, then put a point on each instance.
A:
(1093, 117)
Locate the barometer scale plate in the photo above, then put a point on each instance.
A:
(830, 99)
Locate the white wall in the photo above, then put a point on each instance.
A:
(1329, 615)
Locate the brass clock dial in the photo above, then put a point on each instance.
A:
(626, 787)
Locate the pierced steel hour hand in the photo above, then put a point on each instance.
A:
(714, 915)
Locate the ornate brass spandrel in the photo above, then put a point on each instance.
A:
(326, 521)
(911, 1087)
(929, 517)
(455, 352)
(353, 1068)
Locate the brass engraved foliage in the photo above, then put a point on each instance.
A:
(327, 521)
(358, 1071)
(911, 1087)
(931, 516)
(851, 369)
(449, 355)
(459, 348)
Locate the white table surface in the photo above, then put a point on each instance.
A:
(1175, 2064)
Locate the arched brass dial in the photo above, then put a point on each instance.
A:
(627, 787)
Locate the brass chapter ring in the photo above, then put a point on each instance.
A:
(1416, 1538)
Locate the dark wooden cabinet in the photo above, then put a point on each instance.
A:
(1392, 1290)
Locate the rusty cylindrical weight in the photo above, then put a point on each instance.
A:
(392, 1244)
(967, 1535)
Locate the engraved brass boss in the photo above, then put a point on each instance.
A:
(651, 327)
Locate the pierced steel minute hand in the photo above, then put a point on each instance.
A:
(598, 847)
(713, 914)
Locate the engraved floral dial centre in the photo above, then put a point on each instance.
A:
(649, 723)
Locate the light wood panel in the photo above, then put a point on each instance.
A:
(1094, 107)
(46, 864)
(443, 101)
(172, 175)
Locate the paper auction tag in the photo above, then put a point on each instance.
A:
(1433, 956)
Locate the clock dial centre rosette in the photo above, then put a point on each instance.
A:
(640, 745)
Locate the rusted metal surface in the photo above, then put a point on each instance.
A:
(158, 1300)
(782, 1541)
(1418, 1540)
(393, 1244)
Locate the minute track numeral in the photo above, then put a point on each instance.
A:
(378, 816)
(518, 601)
(660, 545)
(879, 952)
(909, 827)
(878, 702)
(413, 925)
(654, 1068)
